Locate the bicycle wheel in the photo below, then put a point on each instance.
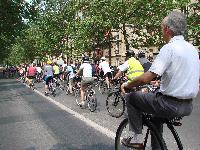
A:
(172, 139)
(102, 87)
(53, 92)
(77, 94)
(61, 86)
(52, 89)
(92, 101)
(115, 104)
(124, 132)
(67, 90)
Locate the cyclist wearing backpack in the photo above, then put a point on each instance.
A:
(144, 61)
(71, 74)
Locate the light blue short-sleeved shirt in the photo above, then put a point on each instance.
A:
(178, 64)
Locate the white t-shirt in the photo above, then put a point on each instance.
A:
(63, 67)
(39, 69)
(87, 69)
(178, 64)
(105, 67)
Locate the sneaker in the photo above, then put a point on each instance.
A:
(82, 104)
(127, 143)
(46, 93)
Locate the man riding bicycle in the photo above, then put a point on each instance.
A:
(132, 66)
(104, 66)
(31, 74)
(86, 68)
(178, 64)
(48, 75)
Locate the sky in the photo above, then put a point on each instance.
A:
(28, 1)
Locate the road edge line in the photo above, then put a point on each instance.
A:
(89, 122)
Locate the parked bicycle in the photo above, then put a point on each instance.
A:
(149, 128)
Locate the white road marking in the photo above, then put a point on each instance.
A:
(89, 122)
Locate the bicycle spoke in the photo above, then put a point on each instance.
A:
(115, 105)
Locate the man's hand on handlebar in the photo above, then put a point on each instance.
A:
(124, 88)
(155, 83)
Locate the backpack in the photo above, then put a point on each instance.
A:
(93, 70)
(146, 66)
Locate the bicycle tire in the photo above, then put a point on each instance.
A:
(77, 94)
(115, 104)
(92, 100)
(102, 87)
(53, 92)
(52, 89)
(175, 135)
(67, 90)
(149, 126)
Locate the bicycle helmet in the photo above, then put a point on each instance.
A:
(141, 55)
(130, 53)
(103, 58)
(49, 62)
(85, 59)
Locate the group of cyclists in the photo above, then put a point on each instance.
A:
(177, 65)
(88, 71)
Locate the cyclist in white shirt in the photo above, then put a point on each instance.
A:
(104, 65)
(178, 64)
(86, 70)
(71, 73)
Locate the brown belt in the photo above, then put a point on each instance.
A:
(174, 98)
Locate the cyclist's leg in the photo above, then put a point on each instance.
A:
(156, 104)
(29, 80)
(109, 76)
(70, 85)
(83, 89)
(107, 80)
(84, 84)
(138, 102)
(47, 80)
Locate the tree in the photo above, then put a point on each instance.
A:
(72, 27)
(11, 23)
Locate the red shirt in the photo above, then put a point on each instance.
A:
(32, 71)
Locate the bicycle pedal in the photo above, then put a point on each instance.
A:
(177, 123)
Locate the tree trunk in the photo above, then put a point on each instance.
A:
(125, 38)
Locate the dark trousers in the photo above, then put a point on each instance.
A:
(157, 104)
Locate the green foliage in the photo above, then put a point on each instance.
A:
(194, 23)
(75, 26)
(11, 23)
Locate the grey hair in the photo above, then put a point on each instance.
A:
(176, 21)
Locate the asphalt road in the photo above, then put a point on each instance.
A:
(30, 122)
(43, 125)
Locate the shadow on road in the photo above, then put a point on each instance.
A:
(99, 146)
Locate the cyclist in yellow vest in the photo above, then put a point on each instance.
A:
(132, 66)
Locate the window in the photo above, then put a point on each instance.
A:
(117, 48)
